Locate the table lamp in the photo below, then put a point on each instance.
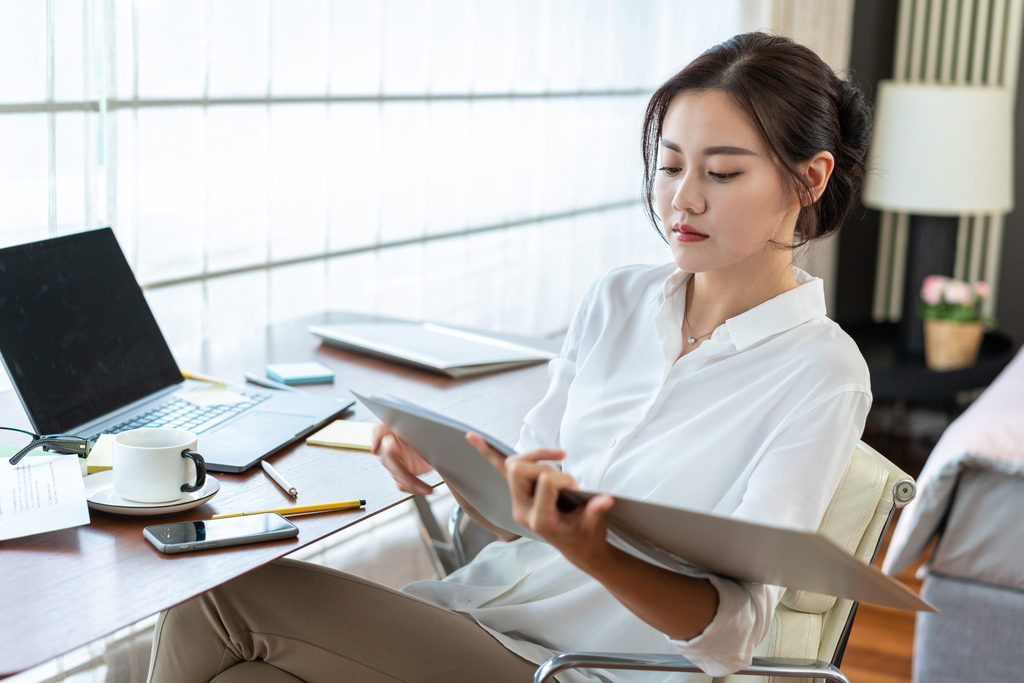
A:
(938, 151)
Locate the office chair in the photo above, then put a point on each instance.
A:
(809, 631)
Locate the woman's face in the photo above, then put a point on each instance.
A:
(720, 197)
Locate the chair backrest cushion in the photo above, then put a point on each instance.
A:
(847, 517)
(809, 625)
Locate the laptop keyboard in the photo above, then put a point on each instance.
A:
(184, 415)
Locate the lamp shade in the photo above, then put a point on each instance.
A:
(941, 150)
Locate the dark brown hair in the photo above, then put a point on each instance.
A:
(799, 106)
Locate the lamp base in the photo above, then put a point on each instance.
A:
(931, 250)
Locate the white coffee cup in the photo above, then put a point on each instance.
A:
(156, 464)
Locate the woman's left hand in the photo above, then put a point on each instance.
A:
(678, 605)
(535, 487)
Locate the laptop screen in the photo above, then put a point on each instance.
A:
(76, 334)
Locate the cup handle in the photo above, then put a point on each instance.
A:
(200, 471)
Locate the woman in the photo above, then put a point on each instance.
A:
(714, 383)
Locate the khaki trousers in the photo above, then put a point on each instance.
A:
(317, 625)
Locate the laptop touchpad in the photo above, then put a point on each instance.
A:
(250, 437)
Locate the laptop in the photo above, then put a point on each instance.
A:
(86, 357)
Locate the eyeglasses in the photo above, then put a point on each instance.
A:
(66, 444)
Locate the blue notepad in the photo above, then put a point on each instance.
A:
(300, 373)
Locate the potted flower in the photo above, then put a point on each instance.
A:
(953, 321)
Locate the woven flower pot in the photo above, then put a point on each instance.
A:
(950, 345)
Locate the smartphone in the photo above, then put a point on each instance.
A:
(204, 534)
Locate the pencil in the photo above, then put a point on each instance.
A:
(302, 509)
(200, 377)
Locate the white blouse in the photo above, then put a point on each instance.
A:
(758, 423)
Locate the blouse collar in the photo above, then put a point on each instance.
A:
(799, 305)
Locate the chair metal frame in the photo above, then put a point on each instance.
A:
(760, 666)
(454, 554)
(448, 552)
(444, 552)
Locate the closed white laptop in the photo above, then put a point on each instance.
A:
(435, 348)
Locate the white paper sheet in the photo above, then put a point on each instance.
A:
(41, 493)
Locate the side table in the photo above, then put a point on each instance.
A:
(901, 385)
(896, 376)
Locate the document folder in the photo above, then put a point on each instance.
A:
(676, 538)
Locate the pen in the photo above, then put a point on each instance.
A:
(281, 481)
(253, 378)
(300, 509)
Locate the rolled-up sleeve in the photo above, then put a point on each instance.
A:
(791, 484)
(727, 644)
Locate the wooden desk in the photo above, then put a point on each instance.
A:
(66, 588)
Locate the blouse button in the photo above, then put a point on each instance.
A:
(611, 444)
(702, 358)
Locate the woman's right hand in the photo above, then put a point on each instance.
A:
(398, 458)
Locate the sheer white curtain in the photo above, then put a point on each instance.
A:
(469, 161)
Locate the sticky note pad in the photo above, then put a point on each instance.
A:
(101, 457)
(214, 395)
(344, 434)
(300, 373)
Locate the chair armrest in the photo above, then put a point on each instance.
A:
(761, 666)
(455, 533)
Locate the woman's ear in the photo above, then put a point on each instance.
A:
(817, 171)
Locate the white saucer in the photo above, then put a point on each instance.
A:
(100, 494)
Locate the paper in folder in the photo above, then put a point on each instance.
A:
(676, 538)
(435, 348)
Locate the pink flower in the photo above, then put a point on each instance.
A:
(982, 289)
(958, 292)
(931, 290)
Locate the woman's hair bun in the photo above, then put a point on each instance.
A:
(854, 114)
